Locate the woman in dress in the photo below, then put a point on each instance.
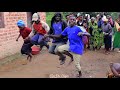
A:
(93, 30)
(116, 42)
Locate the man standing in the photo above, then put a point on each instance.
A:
(107, 31)
(116, 41)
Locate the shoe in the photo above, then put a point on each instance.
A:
(79, 74)
(62, 60)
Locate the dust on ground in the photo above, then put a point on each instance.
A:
(95, 64)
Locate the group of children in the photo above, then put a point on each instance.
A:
(70, 38)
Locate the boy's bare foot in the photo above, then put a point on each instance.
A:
(29, 58)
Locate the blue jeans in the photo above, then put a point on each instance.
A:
(54, 46)
(37, 39)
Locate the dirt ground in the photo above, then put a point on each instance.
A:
(95, 64)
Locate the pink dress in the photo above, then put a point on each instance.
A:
(84, 38)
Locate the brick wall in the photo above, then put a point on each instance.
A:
(42, 16)
(8, 35)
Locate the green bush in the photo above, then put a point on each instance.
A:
(49, 16)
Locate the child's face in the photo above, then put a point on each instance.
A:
(20, 27)
(72, 21)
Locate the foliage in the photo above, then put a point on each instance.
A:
(49, 15)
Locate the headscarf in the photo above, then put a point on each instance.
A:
(79, 15)
(20, 23)
(93, 18)
(104, 18)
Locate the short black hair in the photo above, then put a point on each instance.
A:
(72, 13)
(53, 18)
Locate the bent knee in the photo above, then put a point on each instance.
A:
(60, 49)
(51, 51)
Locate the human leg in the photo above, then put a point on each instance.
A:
(52, 48)
(43, 43)
(60, 51)
(76, 58)
(34, 39)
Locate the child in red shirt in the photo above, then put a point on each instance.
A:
(24, 32)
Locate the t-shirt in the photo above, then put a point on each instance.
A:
(107, 28)
(57, 28)
(100, 22)
(75, 41)
(25, 32)
(117, 67)
(39, 29)
(57, 31)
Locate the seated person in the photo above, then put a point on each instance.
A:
(115, 68)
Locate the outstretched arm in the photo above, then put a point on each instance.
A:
(18, 37)
(83, 34)
(54, 36)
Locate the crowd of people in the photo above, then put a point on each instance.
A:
(71, 37)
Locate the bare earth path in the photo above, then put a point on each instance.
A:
(44, 65)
